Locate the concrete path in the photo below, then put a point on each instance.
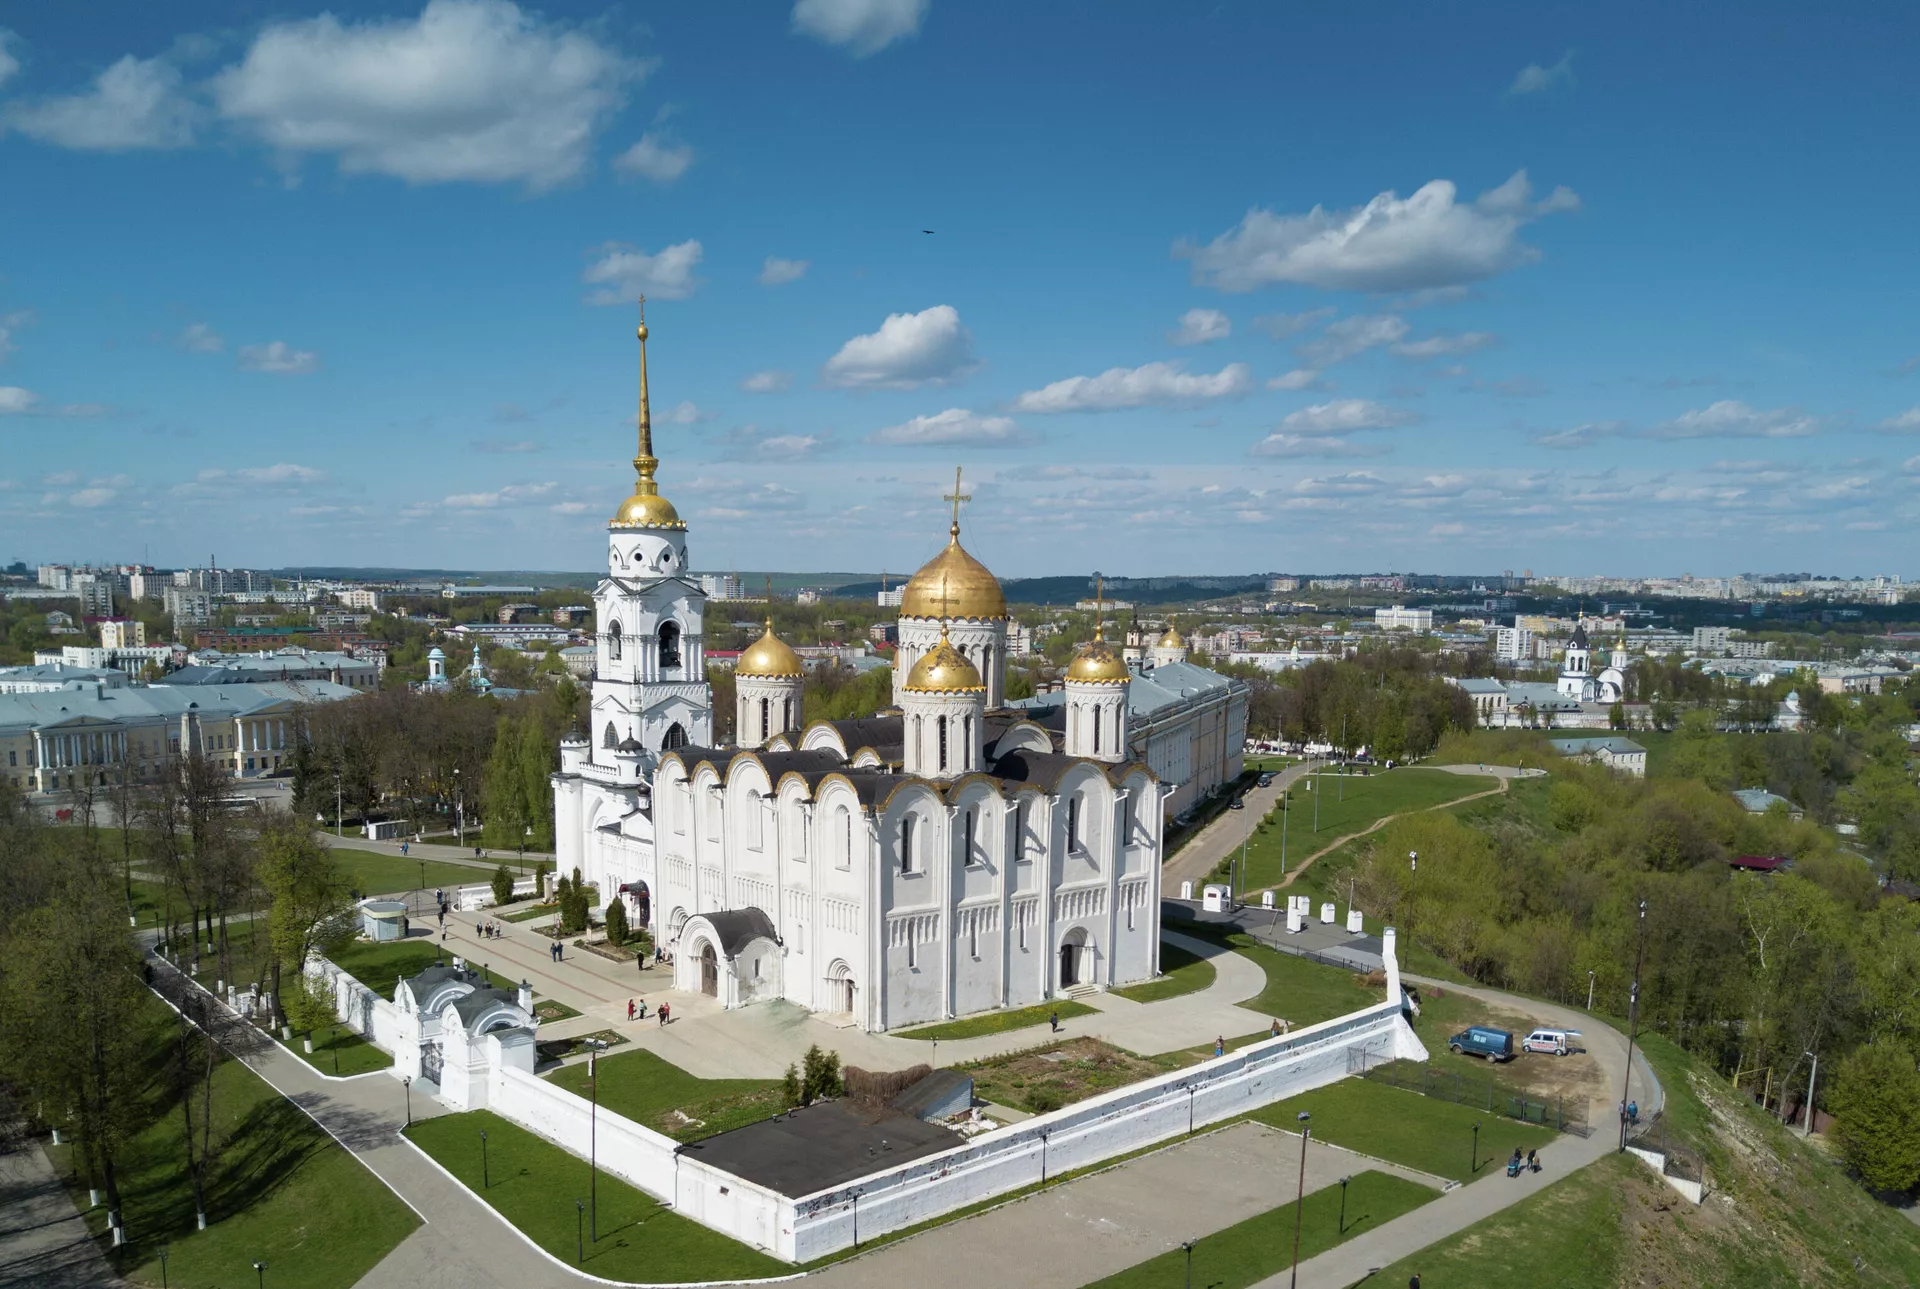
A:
(1204, 850)
(44, 1241)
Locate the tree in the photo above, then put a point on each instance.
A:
(309, 909)
(616, 922)
(503, 798)
(502, 885)
(1876, 1100)
(819, 1075)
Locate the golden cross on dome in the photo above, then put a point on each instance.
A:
(943, 583)
(1099, 594)
(956, 497)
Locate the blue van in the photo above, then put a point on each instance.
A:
(1494, 1044)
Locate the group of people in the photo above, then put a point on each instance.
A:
(556, 950)
(1531, 1163)
(489, 930)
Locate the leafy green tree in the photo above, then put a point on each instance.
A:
(503, 798)
(503, 885)
(1876, 1100)
(309, 909)
(616, 922)
(819, 1075)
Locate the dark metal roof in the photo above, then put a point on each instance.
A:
(738, 928)
(472, 1005)
(931, 1091)
(821, 1146)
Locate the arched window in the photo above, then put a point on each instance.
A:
(967, 856)
(941, 723)
(611, 737)
(676, 737)
(966, 743)
(986, 664)
(843, 836)
(756, 807)
(765, 708)
(1073, 822)
(613, 641)
(669, 644)
(786, 714)
(907, 857)
(1096, 731)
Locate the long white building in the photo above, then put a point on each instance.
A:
(944, 857)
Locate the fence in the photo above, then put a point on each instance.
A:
(1678, 1161)
(1481, 1092)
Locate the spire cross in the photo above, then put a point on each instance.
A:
(956, 497)
(644, 463)
(1099, 595)
(769, 603)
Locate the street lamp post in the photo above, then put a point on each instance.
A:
(1413, 869)
(1589, 991)
(594, 1047)
(579, 1240)
(1343, 1201)
(337, 807)
(1188, 1246)
(165, 1253)
(1300, 1196)
(486, 1175)
(459, 810)
(1633, 1024)
(406, 1083)
(1284, 812)
(524, 839)
(1810, 1082)
(1470, 1171)
(260, 1271)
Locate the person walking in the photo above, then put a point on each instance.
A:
(1053, 1019)
(1220, 1045)
(663, 1015)
(629, 1009)
(1413, 1281)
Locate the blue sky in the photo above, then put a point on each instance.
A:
(1230, 289)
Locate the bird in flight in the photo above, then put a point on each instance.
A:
(927, 231)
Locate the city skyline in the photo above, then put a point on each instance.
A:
(1195, 295)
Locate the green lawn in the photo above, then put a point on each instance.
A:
(1181, 973)
(1406, 1128)
(1250, 1251)
(533, 1184)
(380, 966)
(1299, 990)
(372, 873)
(998, 1022)
(648, 1090)
(281, 1190)
(339, 1051)
(1348, 804)
(529, 914)
(1567, 1236)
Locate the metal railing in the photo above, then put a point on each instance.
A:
(1482, 1092)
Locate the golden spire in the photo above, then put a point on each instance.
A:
(1099, 594)
(646, 508)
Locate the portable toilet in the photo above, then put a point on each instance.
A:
(1186, 890)
(1295, 923)
(1266, 899)
(1327, 914)
(1215, 898)
(1355, 923)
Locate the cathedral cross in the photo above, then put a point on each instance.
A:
(956, 497)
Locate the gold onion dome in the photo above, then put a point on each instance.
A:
(953, 584)
(770, 657)
(646, 508)
(1172, 640)
(944, 670)
(1098, 664)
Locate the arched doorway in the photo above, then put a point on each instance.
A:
(839, 988)
(669, 646)
(1073, 958)
(709, 971)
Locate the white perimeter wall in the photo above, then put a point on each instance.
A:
(369, 1015)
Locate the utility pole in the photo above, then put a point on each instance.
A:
(336, 803)
(1413, 863)
(1633, 1024)
(1810, 1082)
(1284, 812)
(1300, 1197)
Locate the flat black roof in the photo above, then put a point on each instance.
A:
(824, 1145)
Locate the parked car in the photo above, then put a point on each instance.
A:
(1558, 1042)
(1238, 803)
(1494, 1044)
(1265, 781)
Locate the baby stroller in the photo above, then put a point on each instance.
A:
(1514, 1165)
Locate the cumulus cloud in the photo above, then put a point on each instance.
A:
(284, 472)
(655, 158)
(10, 323)
(1535, 79)
(1351, 336)
(14, 400)
(199, 338)
(1345, 416)
(767, 382)
(622, 273)
(752, 443)
(910, 349)
(955, 425)
(861, 27)
(779, 272)
(1282, 326)
(685, 412)
(512, 494)
(1732, 419)
(279, 358)
(1427, 240)
(1124, 387)
(1298, 378)
(1200, 326)
(1282, 444)
(1908, 422)
(472, 90)
(8, 63)
(1580, 436)
(1444, 345)
(136, 103)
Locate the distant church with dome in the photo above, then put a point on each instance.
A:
(950, 855)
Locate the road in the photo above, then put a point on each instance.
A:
(1206, 848)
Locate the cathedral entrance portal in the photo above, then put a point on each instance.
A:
(709, 971)
(839, 988)
(1073, 958)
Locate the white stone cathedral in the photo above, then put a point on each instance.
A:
(943, 857)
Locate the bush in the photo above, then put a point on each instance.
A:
(880, 1087)
(616, 922)
(1045, 1099)
(502, 885)
(819, 1075)
(790, 1087)
(1876, 1100)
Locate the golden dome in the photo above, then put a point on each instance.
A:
(646, 510)
(770, 658)
(953, 584)
(1098, 664)
(944, 670)
(1172, 640)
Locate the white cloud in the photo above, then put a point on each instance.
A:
(1123, 387)
(1908, 422)
(955, 425)
(751, 443)
(279, 358)
(1444, 345)
(512, 494)
(625, 273)
(779, 272)
(1298, 378)
(1731, 419)
(568, 508)
(685, 413)
(1351, 336)
(285, 472)
(1282, 325)
(1282, 444)
(10, 323)
(1200, 326)
(654, 158)
(1911, 465)
(472, 90)
(1580, 436)
(767, 382)
(862, 27)
(909, 350)
(8, 63)
(91, 498)
(14, 400)
(1535, 79)
(1345, 416)
(199, 338)
(136, 103)
(1390, 244)
(507, 446)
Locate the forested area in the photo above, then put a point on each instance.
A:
(1542, 891)
(1395, 702)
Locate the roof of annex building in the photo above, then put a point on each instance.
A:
(143, 703)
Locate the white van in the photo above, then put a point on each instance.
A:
(1557, 1042)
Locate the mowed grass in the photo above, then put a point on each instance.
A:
(1181, 972)
(280, 1189)
(533, 1184)
(1262, 1246)
(660, 1095)
(1568, 1236)
(373, 873)
(1348, 804)
(337, 1050)
(381, 965)
(999, 1022)
(1406, 1128)
(1299, 990)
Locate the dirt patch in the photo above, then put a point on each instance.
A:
(1059, 1075)
(1573, 1080)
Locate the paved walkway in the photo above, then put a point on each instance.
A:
(44, 1242)
(1203, 851)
